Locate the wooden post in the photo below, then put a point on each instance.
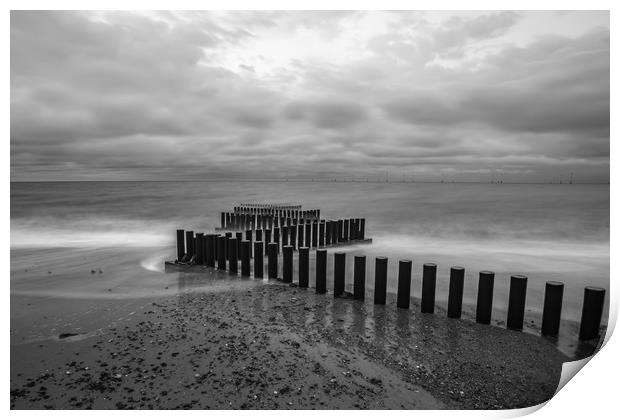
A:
(484, 305)
(308, 234)
(381, 265)
(239, 236)
(210, 246)
(322, 234)
(272, 260)
(221, 252)
(304, 266)
(300, 236)
(259, 235)
(345, 234)
(592, 312)
(276, 237)
(362, 228)
(328, 232)
(321, 271)
(359, 277)
(404, 284)
(205, 242)
(351, 229)
(232, 255)
(248, 237)
(223, 221)
(315, 228)
(258, 260)
(552, 308)
(293, 231)
(340, 229)
(199, 248)
(245, 258)
(287, 264)
(228, 235)
(189, 244)
(516, 302)
(429, 280)
(455, 295)
(339, 273)
(285, 236)
(268, 239)
(180, 244)
(335, 232)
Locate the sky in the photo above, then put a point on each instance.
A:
(411, 95)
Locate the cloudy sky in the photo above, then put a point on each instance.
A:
(215, 95)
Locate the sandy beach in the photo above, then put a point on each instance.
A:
(250, 344)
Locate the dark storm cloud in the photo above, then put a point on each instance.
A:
(246, 94)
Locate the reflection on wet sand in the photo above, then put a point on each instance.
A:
(362, 318)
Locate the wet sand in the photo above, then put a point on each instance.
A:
(241, 343)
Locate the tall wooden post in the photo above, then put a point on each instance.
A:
(455, 295)
(287, 264)
(429, 280)
(592, 312)
(245, 258)
(381, 265)
(199, 249)
(321, 271)
(339, 273)
(272, 260)
(404, 284)
(552, 308)
(221, 252)
(300, 236)
(516, 302)
(308, 234)
(484, 305)
(315, 235)
(359, 277)
(189, 241)
(258, 260)
(180, 244)
(232, 255)
(304, 266)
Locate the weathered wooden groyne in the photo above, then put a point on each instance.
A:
(271, 230)
(290, 225)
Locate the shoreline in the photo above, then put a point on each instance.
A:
(269, 345)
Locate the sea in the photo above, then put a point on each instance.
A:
(90, 240)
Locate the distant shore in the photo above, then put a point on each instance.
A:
(269, 345)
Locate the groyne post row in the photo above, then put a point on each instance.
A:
(225, 248)
(253, 218)
(302, 233)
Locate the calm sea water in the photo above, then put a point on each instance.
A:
(547, 232)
